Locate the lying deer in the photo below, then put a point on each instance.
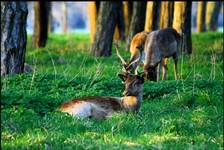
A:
(100, 107)
(159, 45)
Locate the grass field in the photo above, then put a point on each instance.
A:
(182, 114)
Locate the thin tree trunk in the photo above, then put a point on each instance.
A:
(41, 14)
(128, 6)
(212, 14)
(93, 8)
(119, 33)
(105, 29)
(50, 24)
(152, 16)
(166, 17)
(201, 16)
(13, 36)
(137, 20)
(64, 20)
(182, 23)
(116, 33)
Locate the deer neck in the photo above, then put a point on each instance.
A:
(132, 103)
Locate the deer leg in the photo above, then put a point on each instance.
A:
(175, 66)
(165, 60)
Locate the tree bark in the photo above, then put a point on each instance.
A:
(128, 6)
(50, 24)
(105, 29)
(137, 20)
(64, 20)
(13, 36)
(182, 23)
(41, 13)
(212, 14)
(166, 17)
(201, 16)
(119, 33)
(93, 8)
(152, 16)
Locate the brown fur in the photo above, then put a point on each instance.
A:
(136, 48)
(157, 46)
(137, 43)
(104, 106)
(160, 45)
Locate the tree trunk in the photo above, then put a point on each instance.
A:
(166, 17)
(119, 33)
(13, 36)
(137, 20)
(50, 24)
(64, 20)
(201, 16)
(182, 23)
(93, 8)
(105, 28)
(212, 14)
(116, 33)
(41, 13)
(152, 16)
(128, 6)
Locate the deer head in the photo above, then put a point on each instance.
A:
(133, 92)
(128, 66)
(133, 84)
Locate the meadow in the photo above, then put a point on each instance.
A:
(175, 114)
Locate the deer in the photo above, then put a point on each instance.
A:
(136, 48)
(102, 107)
(159, 45)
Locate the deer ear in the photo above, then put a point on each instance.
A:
(122, 76)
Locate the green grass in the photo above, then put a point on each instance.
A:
(182, 114)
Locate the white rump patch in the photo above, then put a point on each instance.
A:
(81, 110)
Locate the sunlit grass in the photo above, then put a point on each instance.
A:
(182, 114)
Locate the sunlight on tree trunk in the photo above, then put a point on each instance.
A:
(92, 11)
(127, 15)
(166, 16)
(119, 33)
(105, 29)
(116, 33)
(201, 16)
(212, 14)
(182, 23)
(13, 36)
(152, 16)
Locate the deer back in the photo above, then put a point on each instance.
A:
(160, 44)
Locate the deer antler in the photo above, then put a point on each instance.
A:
(136, 60)
(118, 54)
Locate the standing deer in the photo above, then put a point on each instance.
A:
(101, 107)
(159, 45)
(136, 48)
